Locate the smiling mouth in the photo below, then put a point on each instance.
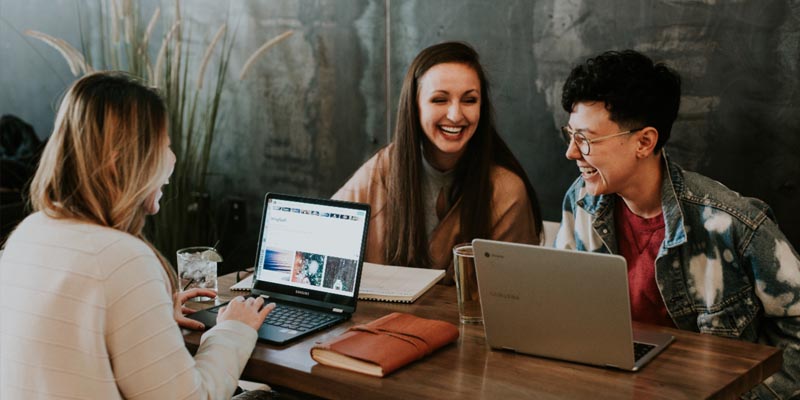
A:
(588, 171)
(451, 130)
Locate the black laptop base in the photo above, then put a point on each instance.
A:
(285, 324)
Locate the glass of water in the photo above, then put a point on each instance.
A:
(469, 300)
(197, 268)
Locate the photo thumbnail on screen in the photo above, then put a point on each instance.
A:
(340, 274)
(308, 268)
(276, 260)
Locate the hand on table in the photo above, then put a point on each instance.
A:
(181, 310)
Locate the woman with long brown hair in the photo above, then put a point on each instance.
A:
(88, 307)
(447, 177)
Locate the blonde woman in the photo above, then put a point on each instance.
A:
(88, 307)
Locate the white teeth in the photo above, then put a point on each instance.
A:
(587, 170)
(452, 129)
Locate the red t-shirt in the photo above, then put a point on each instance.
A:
(639, 240)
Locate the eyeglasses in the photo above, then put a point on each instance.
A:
(583, 143)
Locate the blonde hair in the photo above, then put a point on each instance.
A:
(106, 155)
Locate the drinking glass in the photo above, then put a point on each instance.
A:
(469, 301)
(197, 268)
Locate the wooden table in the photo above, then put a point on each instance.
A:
(695, 366)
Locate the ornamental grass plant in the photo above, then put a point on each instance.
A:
(192, 91)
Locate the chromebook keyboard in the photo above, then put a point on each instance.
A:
(640, 349)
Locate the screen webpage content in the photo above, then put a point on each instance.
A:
(311, 246)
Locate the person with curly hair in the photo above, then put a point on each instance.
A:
(701, 257)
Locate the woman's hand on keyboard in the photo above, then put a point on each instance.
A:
(248, 310)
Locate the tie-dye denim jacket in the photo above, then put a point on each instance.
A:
(724, 267)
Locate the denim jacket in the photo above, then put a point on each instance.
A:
(724, 267)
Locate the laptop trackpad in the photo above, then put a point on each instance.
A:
(272, 333)
(657, 339)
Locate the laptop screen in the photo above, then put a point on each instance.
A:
(311, 249)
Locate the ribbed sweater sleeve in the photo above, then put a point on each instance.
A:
(147, 351)
(85, 312)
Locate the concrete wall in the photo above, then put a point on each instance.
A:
(320, 103)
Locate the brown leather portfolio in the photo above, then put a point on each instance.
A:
(386, 344)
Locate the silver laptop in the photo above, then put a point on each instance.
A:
(562, 304)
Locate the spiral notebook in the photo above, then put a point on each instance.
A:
(396, 284)
(244, 285)
(384, 282)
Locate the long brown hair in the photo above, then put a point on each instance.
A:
(407, 242)
(106, 155)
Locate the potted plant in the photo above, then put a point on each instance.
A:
(192, 93)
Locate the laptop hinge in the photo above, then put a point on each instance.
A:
(338, 310)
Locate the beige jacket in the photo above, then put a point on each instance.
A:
(512, 219)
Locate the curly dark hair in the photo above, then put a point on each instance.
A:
(636, 91)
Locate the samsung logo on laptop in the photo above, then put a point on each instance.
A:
(302, 292)
(507, 296)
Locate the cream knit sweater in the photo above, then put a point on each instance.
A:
(85, 313)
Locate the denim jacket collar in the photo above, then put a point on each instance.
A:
(672, 186)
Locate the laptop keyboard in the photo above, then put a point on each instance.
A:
(298, 319)
(640, 349)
